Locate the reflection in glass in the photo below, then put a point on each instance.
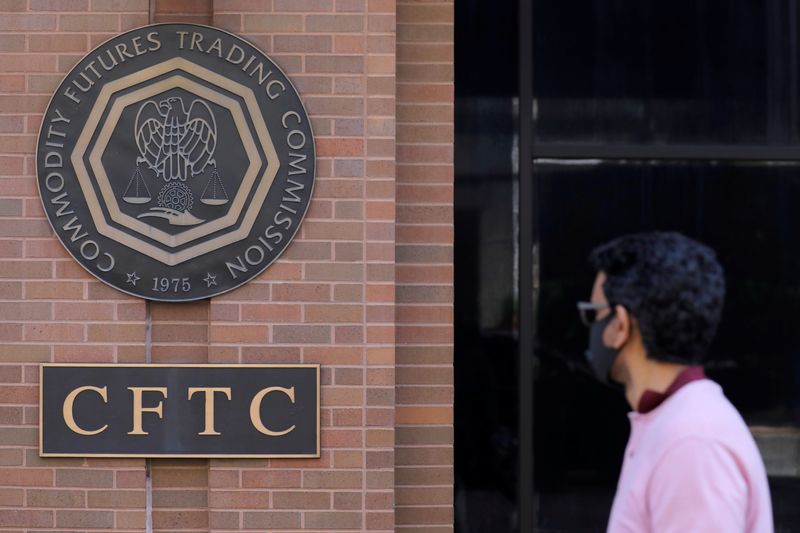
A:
(680, 72)
(747, 212)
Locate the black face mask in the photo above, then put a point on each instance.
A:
(600, 356)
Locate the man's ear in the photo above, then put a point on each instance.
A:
(621, 328)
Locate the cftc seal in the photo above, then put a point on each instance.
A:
(175, 162)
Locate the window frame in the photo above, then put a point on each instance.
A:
(529, 260)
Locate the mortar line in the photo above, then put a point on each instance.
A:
(148, 465)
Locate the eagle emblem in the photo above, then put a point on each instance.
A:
(176, 143)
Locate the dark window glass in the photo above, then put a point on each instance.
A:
(679, 72)
(486, 354)
(747, 212)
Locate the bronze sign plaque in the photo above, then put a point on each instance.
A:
(175, 162)
(179, 410)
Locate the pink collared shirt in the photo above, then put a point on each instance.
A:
(691, 465)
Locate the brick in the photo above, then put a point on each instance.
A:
(184, 7)
(334, 23)
(180, 477)
(270, 313)
(83, 311)
(309, 251)
(349, 6)
(273, 23)
(21, 104)
(177, 333)
(236, 334)
(25, 228)
(129, 21)
(433, 435)
(380, 459)
(131, 519)
(11, 497)
(424, 515)
(58, 5)
(18, 394)
(25, 352)
(9, 456)
(223, 478)
(303, 43)
(56, 498)
(425, 395)
(424, 375)
(379, 500)
(305, 6)
(115, 332)
(25, 518)
(341, 106)
(380, 521)
(332, 479)
(426, 476)
(221, 499)
(430, 33)
(117, 499)
(380, 480)
(271, 479)
(10, 207)
(339, 189)
(182, 498)
(424, 456)
(301, 334)
(426, 334)
(13, 84)
(218, 520)
(424, 496)
(271, 519)
(347, 500)
(334, 272)
(54, 330)
(337, 64)
(88, 23)
(26, 477)
(426, 294)
(349, 376)
(14, 5)
(180, 519)
(84, 478)
(334, 519)
(244, 6)
(130, 479)
(348, 458)
(301, 500)
(54, 290)
(424, 415)
(349, 44)
(333, 313)
(348, 85)
(381, 23)
(27, 22)
(116, 6)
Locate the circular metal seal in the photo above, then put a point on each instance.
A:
(175, 162)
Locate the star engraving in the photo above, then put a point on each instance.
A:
(210, 279)
(133, 278)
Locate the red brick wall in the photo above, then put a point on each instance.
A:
(424, 268)
(365, 289)
(50, 309)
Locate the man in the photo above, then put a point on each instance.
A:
(691, 464)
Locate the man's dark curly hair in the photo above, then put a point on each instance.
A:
(672, 285)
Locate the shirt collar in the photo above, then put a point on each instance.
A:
(651, 399)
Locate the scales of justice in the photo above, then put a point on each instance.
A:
(177, 144)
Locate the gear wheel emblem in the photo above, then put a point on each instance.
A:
(176, 196)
